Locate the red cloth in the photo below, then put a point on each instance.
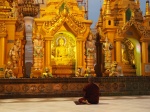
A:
(91, 93)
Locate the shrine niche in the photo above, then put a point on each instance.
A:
(63, 54)
(63, 49)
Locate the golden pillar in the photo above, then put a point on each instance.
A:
(11, 31)
(118, 50)
(47, 58)
(2, 56)
(80, 53)
(2, 40)
(83, 52)
(124, 18)
(144, 52)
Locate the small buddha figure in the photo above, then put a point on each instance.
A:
(61, 50)
(38, 46)
(47, 73)
(8, 71)
(88, 72)
(125, 57)
(14, 53)
(107, 47)
(113, 70)
(90, 47)
(78, 72)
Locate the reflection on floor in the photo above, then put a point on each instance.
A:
(106, 104)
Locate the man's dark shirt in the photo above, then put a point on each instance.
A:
(91, 93)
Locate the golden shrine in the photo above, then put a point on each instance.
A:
(122, 23)
(64, 45)
(62, 30)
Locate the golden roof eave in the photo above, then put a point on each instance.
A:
(142, 30)
(53, 25)
(54, 17)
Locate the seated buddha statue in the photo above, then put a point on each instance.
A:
(61, 50)
(8, 71)
(61, 53)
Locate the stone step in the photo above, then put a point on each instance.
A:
(128, 70)
(129, 74)
(127, 66)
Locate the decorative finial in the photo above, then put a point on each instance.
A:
(138, 3)
(108, 10)
(147, 11)
(147, 1)
(104, 2)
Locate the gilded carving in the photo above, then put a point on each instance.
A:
(113, 70)
(12, 66)
(38, 44)
(47, 73)
(79, 72)
(143, 30)
(20, 23)
(90, 46)
(13, 13)
(90, 55)
(107, 47)
(128, 52)
(125, 57)
(53, 25)
(15, 53)
(77, 25)
(2, 28)
(9, 70)
(7, 9)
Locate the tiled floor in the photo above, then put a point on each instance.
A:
(107, 104)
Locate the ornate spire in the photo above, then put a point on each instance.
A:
(100, 22)
(64, 9)
(147, 11)
(104, 2)
(138, 3)
(104, 6)
(108, 10)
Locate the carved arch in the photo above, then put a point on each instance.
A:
(52, 26)
(140, 28)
